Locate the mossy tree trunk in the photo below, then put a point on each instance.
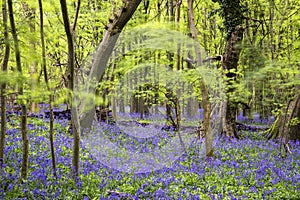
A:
(287, 125)
(232, 13)
(294, 128)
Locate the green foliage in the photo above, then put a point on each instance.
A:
(150, 39)
(232, 12)
(294, 122)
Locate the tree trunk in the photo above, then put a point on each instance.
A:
(287, 124)
(178, 59)
(294, 121)
(44, 66)
(204, 90)
(233, 19)
(229, 121)
(102, 55)
(172, 101)
(71, 86)
(230, 62)
(3, 86)
(23, 103)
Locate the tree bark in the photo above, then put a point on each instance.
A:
(74, 113)
(204, 90)
(3, 86)
(102, 55)
(44, 66)
(23, 103)
(178, 59)
(233, 19)
(172, 101)
(230, 63)
(294, 126)
(287, 125)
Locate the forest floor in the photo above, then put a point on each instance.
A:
(249, 168)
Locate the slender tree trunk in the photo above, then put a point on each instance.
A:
(3, 86)
(71, 66)
(71, 86)
(204, 90)
(178, 108)
(271, 30)
(23, 103)
(76, 15)
(178, 59)
(44, 66)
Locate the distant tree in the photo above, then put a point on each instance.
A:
(3, 85)
(23, 102)
(44, 66)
